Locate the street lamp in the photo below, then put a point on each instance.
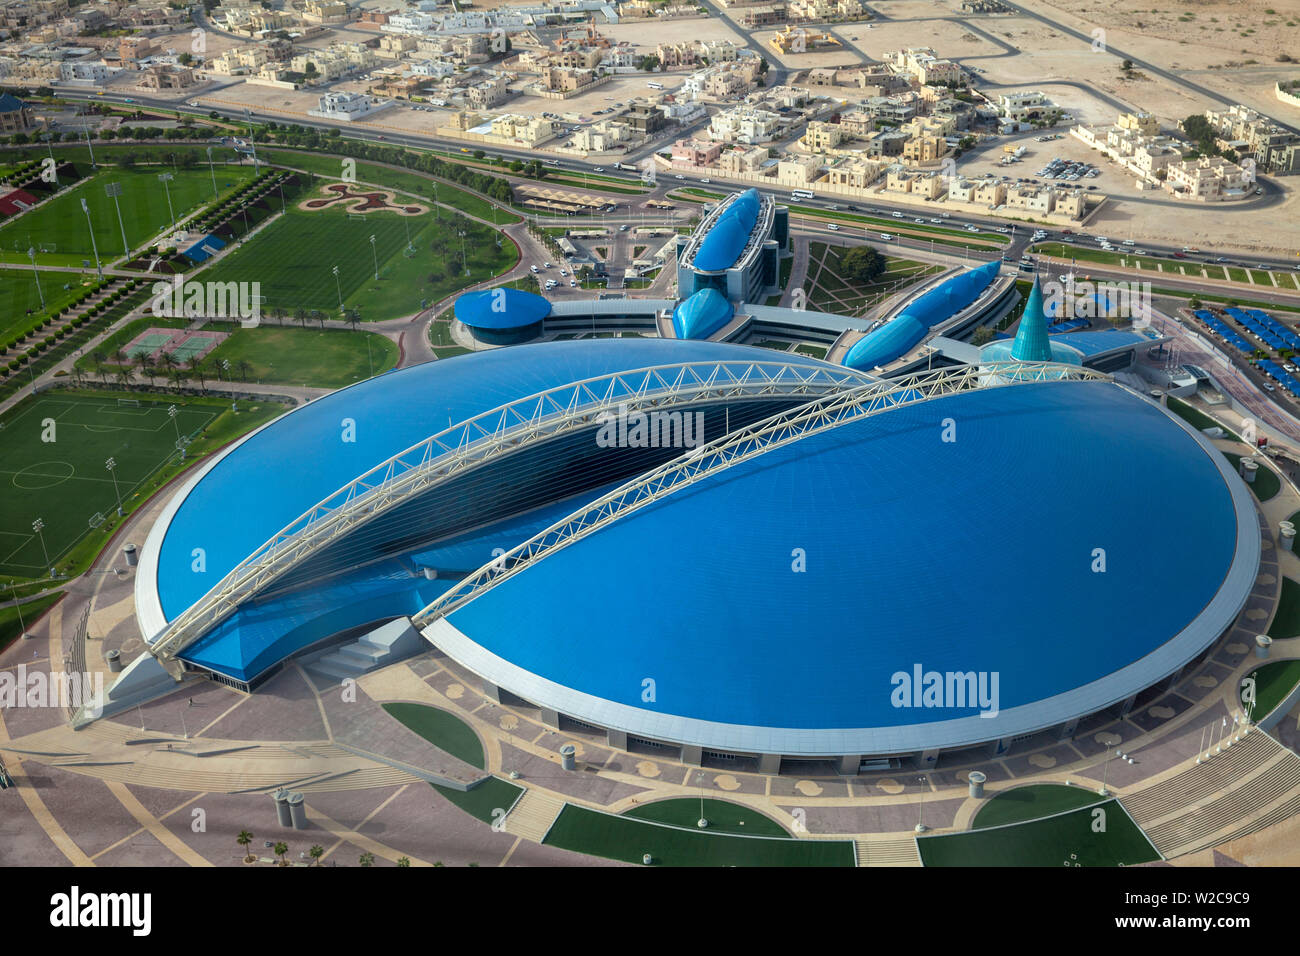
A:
(166, 178)
(93, 245)
(53, 165)
(22, 628)
(114, 190)
(111, 465)
(375, 251)
(31, 254)
(920, 803)
(338, 288)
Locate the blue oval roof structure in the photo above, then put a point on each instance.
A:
(701, 314)
(726, 239)
(501, 308)
(747, 653)
(275, 474)
(901, 334)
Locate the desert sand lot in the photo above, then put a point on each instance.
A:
(948, 38)
(843, 55)
(650, 33)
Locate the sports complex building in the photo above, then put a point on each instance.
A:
(720, 550)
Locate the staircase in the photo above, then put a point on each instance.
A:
(533, 815)
(382, 646)
(900, 852)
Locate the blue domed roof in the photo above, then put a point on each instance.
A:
(726, 239)
(901, 334)
(1031, 343)
(701, 315)
(720, 648)
(501, 308)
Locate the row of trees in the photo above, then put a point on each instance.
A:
(281, 849)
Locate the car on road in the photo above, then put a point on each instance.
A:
(1180, 255)
(833, 227)
(706, 181)
(1268, 387)
(886, 236)
(679, 176)
(623, 228)
(600, 169)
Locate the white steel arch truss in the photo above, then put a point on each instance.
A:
(483, 438)
(757, 439)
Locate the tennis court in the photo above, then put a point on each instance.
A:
(53, 454)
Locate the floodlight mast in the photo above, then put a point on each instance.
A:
(31, 254)
(166, 178)
(94, 247)
(115, 190)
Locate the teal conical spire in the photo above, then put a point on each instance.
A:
(1031, 344)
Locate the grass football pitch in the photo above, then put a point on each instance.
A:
(293, 259)
(52, 467)
(60, 226)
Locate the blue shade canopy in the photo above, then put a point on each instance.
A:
(501, 308)
(701, 315)
(902, 333)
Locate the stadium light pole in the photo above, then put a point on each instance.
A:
(920, 804)
(39, 527)
(375, 251)
(115, 190)
(22, 628)
(166, 178)
(111, 465)
(86, 130)
(171, 413)
(94, 247)
(338, 288)
(213, 173)
(31, 254)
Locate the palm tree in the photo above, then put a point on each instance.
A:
(403, 861)
(201, 373)
(301, 315)
(316, 852)
(244, 839)
(353, 316)
(168, 361)
(99, 359)
(319, 316)
(124, 374)
(244, 367)
(367, 859)
(277, 313)
(180, 376)
(280, 850)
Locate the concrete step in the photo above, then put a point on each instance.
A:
(365, 657)
(335, 667)
(533, 815)
(899, 852)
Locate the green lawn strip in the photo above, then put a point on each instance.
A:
(29, 611)
(1196, 418)
(1273, 682)
(624, 838)
(1224, 299)
(489, 801)
(1266, 483)
(1030, 803)
(816, 351)
(140, 439)
(1286, 621)
(323, 358)
(445, 731)
(723, 816)
(145, 213)
(1066, 839)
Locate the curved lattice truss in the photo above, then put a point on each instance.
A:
(782, 429)
(486, 437)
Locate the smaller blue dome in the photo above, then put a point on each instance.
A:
(701, 315)
(501, 308)
(727, 236)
